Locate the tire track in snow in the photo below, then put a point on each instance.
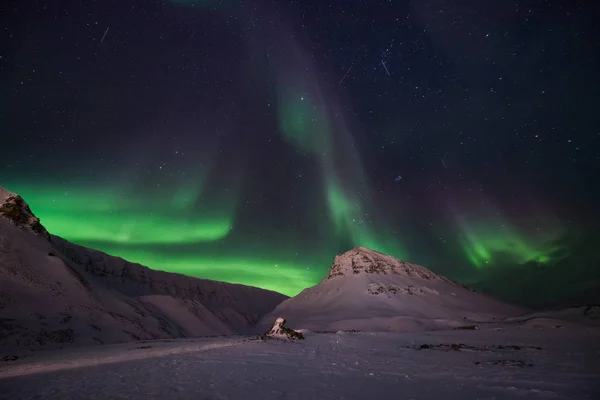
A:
(140, 354)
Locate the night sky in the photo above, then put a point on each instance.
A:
(252, 141)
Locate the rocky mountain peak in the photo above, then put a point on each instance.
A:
(15, 209)
(363, 260)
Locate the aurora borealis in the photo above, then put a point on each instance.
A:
(251, 142)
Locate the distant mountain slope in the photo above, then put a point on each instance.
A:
(368, 290)
(52, 292)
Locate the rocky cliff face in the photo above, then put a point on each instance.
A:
(363, 260)
(16, 210)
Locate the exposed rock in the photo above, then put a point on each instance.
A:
(280, 331)
(15, 209)
(363, 260)
(377, 288)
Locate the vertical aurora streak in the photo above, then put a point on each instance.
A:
(305, 122)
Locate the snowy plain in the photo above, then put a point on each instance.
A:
(507, 361)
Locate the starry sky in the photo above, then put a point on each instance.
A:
(252, 141)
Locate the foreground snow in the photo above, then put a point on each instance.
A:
(491, 363)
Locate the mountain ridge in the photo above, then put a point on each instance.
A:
(53, 292)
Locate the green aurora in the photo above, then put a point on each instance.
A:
(198, 225)
(487, 238)
(125, 220)
(194, 226)
(487, 245)
(161, 237)
(193, 230)
(306, 123)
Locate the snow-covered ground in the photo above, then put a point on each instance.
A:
(517, 361)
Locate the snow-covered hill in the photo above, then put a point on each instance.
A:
(54, 292)
(371, 291)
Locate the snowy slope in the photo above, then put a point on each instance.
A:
(54, 292)
(190, 315)
(370, 291)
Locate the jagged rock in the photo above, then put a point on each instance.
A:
(280, 331)
(363, 260)
(15, 209)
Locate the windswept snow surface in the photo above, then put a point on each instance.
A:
(370, 291)
(491, 363)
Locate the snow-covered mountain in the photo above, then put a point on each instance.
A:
(371, 291)
(53, 291)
